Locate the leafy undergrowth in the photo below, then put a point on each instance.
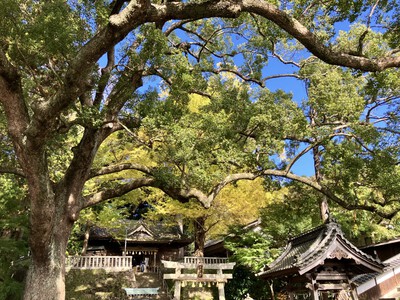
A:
(96, 285)
(204, 293)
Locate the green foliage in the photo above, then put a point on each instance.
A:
(333, 93)
(13, 267)
(300, 208)
(245, 283)
(13, 237)
(190, 145)
(36, 31)
(249, 248)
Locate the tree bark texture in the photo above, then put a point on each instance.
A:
(46, 274)
(200, 236)
(199, 241)
(86, 239)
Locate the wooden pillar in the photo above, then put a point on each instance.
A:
(353, 292)
(314, 294)
(178, 283)
(155, 261)
(177, 291)
(314, 290)
(221, 290)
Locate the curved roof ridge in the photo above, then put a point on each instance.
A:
(307, 232)
(312, 248)
(360, 252)
(292, 243)
(326, 241)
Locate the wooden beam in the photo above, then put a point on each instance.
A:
(332, 286)
(193, 277)
(175, 264)
(331, 276)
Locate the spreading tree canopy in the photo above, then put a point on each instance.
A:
(75, 73)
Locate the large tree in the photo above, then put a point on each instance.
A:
(72, 74)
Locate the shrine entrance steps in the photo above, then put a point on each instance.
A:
(150, 280)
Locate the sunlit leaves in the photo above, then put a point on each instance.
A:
(238, 204)
(276, 117)
(13, 206)
(40, 31)
(334, 93)
(299, 205)
(373, 43)
(300, 211)
(249, 248)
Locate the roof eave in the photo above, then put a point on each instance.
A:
(270, 274)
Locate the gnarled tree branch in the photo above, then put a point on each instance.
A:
(119, 191)
(11, 170)
(118, 168)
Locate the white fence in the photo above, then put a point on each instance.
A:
(112, 263)
(122, 263)
(204, 260)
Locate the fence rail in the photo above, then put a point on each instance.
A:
(122, 263)
(116, 263)
(204, 260)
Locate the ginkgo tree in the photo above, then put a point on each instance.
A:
(74, 72)
(237, 205)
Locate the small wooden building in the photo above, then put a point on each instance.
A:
(147, 243)
(216, 248)
(320, 263)
(383, 250)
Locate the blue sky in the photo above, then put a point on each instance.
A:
(304, 166)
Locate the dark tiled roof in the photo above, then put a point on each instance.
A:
(138, 230)
(312, 248)
(219, 243)
(390, 264)
(393, 241)
(363, 278)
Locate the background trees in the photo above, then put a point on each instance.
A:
(13, 237)
(74, 73)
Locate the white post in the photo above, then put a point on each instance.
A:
(177, 291)
(155, 262)
(314, 289)
(126, 237)
(221, 290)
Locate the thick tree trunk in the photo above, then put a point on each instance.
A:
(200, 236)
(48, 244)
(46, 275)
(46, 281)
